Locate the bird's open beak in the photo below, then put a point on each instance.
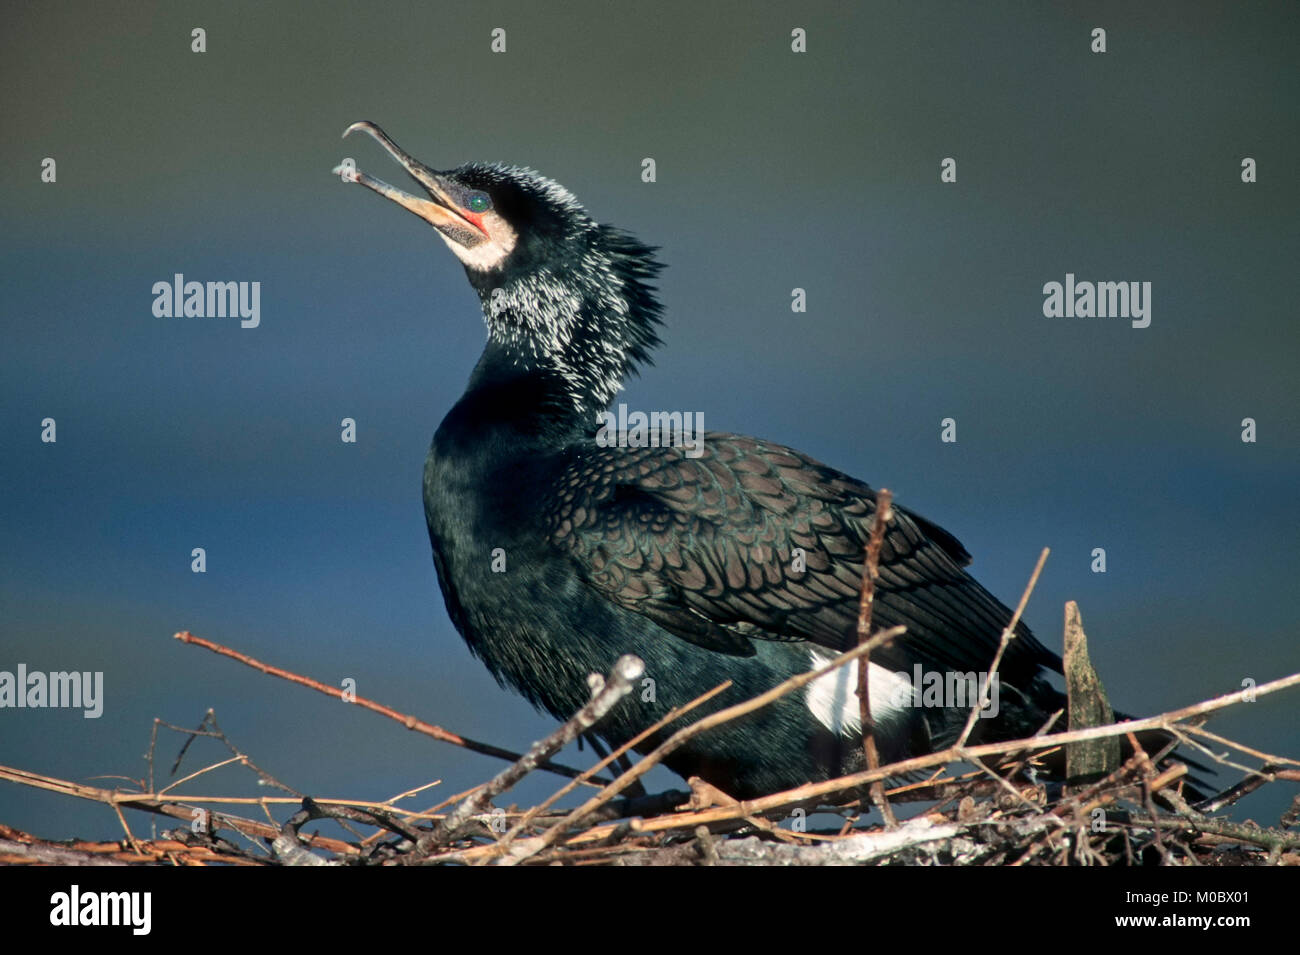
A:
(439, 210)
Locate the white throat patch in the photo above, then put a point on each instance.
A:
(489, 254)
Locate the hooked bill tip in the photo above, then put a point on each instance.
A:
(362, 124)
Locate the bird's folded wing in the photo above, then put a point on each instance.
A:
(752, 540)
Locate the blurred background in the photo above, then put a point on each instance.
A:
(776, 170)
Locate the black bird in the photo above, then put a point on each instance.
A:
(691, 563)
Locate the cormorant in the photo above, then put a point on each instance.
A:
(689, 562)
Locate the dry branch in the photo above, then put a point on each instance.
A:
(606, 693)
(992, 816)
(410, 722)
(870, 571)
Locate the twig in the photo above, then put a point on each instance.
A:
(606, 693)
(810, 792)
(147, 802)
(1260, 777)
(1249, 751)
(670, 717)
(532, 846)
(410, 722)
(866, 601)
(1008, 633)
(1238, 832)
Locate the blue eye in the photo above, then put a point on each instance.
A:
(478, 202)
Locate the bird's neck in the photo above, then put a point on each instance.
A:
(527, 395)
(577, 343)
(578, 323)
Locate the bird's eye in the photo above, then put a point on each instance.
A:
(478, 202)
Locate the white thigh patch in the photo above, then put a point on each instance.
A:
(833, 698)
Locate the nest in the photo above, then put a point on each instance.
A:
(976, 805)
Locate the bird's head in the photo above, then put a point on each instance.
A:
(557, 288)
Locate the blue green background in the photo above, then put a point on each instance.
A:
(775, 171)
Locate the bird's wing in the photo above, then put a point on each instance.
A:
(708, 548)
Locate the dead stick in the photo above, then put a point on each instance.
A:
(813, 791)
(607, 692)
(870, 570)
(1008, 632)
(669, 717)
(410, 722)
(533, 846)
(147, 802)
